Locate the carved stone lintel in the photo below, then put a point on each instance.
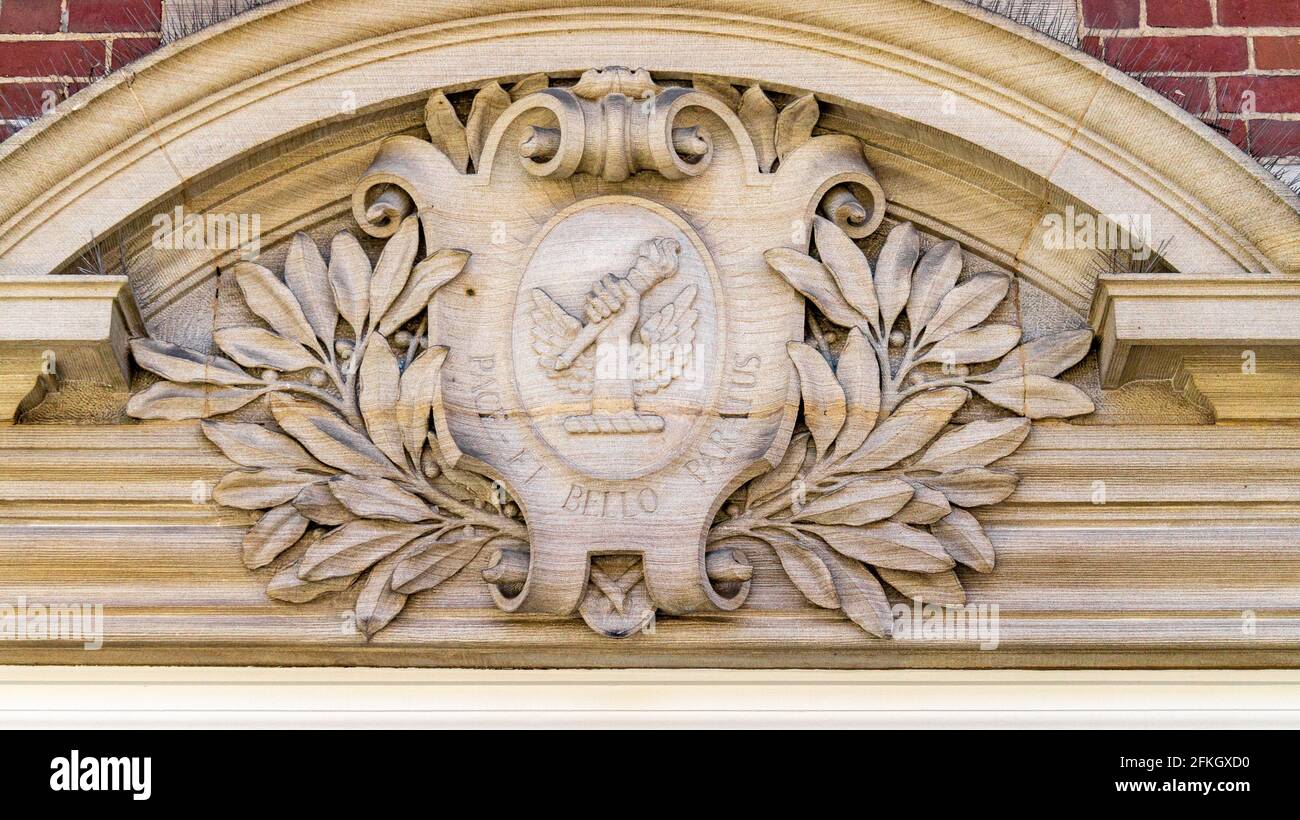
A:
(54, 328)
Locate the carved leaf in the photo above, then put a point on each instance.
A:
(718, 89)
(489, 103)
(260, 489)
(529, 85)
(778, 480)
(270, 299)
(430, 274)
(814, 281)
(967, 305)
(319, 505)
(965, 540)
(936, 274)
(173, 402)
(330, 439)
(380, 498)
(861, 502)
(178, 364)
(377, 603)
(349, 274)
(888, 544)
(925, 507)
(1037, 397)
(974, 486)
(894, 274)
(977, 444)
(277, 530)
(394, 267)
(981, 344)
(1048, 355)
(377, 397)
(849, 266)
(354, 547)
(794, 126)
(940, 588)
(758, 115)
(805, 570)
(257, 347)
(415, 399)
(252, 445)
(430, 565)
(914, 423)
(858, 373)
(287, 586)
(446, 132)
(823, 400)
(308, 278)
(861, 596)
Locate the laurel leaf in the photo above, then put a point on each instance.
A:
(489, 103)
(349, 275)
(270, 299)
(394, 267)
(356, 546)
(794, 125)
(887, 544)
(778, 479)
(965, 540)
(380, 498)
(858, 373)
(434, 561)
(431, 273)
(981, 344)
(258, 347)
(966, 305)
(308, 278)
(805, 570)
(446, 132)
(940, 588)
(319, 505)
(860, 595)
(849, 267)
(914, 423)
(814, 281)
(377, 397)
(1037, 397)
(758, 115)
(173, 402)
(974, 486)
(415, 399)
(936, 274)
(860, 502)
(252, 445)
(287, 586)
(823, 399)
(378, 603)
(894, 274)
(925, 507)
(1048, 355)
(330, 439)
(179, 364)
(977, 444)
(278, 529)
(260, 489)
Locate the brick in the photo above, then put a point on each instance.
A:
(114, 15)
(1277, 52)
(28, 99)
(1234, 130)
(129, 49)
(1092, 46)
(30, 16)
(1274, 138)
(1192, 93)
(36, 58)
(1179, 13)
(1180, 54)
(1259, 13)
(1267, 95)
(1111, 14)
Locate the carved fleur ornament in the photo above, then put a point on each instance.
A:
(621, 384)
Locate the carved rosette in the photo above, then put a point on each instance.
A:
(418, 412)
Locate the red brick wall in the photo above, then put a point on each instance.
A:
(1234, 63)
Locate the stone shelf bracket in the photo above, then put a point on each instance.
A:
(1230, 343)
(55, 328)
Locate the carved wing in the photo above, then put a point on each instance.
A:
(668, 337)
(553, 330)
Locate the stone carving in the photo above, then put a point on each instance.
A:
(423, 410)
